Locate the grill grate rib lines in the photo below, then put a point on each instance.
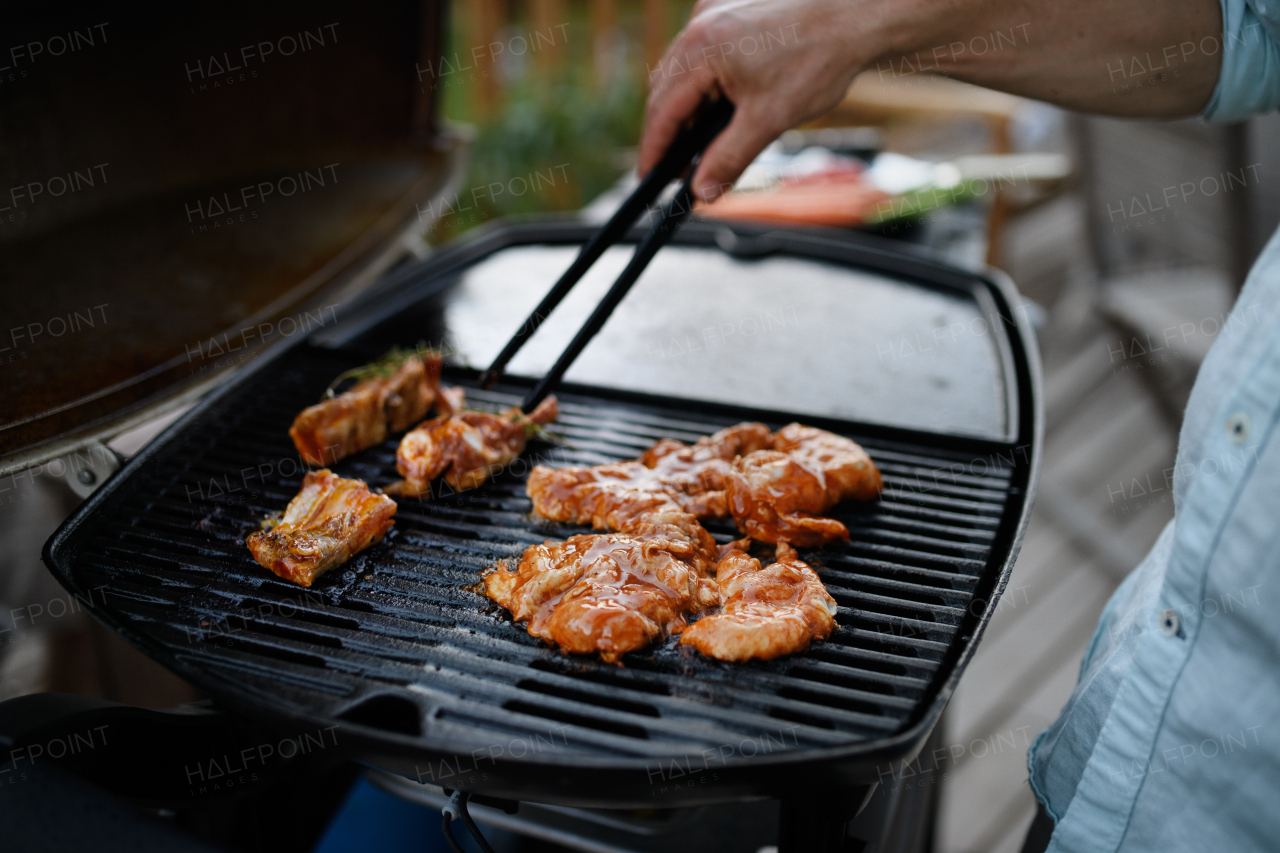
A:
(404, 615)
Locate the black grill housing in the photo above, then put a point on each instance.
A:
(428, 678)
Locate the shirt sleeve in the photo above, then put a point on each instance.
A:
(1250, 78)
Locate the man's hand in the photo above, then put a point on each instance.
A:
(782, 62)
(779, 62)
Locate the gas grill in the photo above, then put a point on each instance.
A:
(427, 679)
(419, 677)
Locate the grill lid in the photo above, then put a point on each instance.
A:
(183, 188)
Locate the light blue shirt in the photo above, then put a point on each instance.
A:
(1171, 740)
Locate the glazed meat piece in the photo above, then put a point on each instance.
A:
(450, 400)
(773, 498)
(364, 415)
(326, 523)
(466, 448)
(615, 592)
(775, 495)
(847, 470)
(410, 391)
(695, 475)
(773, 485)
(691, 476)
(594, 496)
(455, 446)
(766, 612)
(726, 444)
(608, 593)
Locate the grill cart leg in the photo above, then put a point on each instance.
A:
(817, 824)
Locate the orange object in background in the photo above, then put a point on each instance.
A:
(837, 199)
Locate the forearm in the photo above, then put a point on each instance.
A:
(1147, 59)
(1152, 58)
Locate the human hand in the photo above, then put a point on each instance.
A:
(779, 62)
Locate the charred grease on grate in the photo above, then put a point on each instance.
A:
(402, 618)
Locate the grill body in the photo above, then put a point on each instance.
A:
(427, 678)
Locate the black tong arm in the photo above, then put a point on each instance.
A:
(680, 158)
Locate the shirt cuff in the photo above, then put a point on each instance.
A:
(1249, 81)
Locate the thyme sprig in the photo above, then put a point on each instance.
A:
(533, 429)
(383, 367)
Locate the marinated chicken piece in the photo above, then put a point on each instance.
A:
(364, 415)
(450, 400)
(726, 444)
(411, 390)
(608, 593)
(593, 495)
(336, 428)
(615, 592)
(466, 448)
(582, 496)
(327, 522)
(775, 495)
(772, 497)
(847, 470)
(692, 476)
(766, 612)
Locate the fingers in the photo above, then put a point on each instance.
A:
(728, 156)
(670, 105)
(676, 89)
(771, 93)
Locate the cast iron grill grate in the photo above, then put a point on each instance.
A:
(399, 638)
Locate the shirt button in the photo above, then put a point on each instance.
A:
(1169, 624)
(1238, 427)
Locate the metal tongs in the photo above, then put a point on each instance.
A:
(681, 159)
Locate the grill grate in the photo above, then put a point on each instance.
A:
(402, 619)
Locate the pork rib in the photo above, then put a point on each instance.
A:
(327, 522)
(364, 415)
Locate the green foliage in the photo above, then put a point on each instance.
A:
(551, 148)
(566, 125)
(558, 136)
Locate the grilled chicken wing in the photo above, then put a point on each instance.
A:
(363, 416)
(608, 593)
(467, 448)
(766, 612)
(775, 495)
(326, 523)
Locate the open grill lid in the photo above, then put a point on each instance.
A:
(426, 677)
(185, 186)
